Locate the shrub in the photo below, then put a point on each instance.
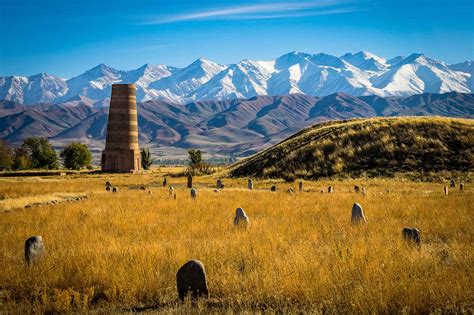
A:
(76, 156)
(36, 153)
(147, 160)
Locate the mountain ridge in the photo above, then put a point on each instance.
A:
(358, 74)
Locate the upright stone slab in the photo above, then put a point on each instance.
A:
(241, 218)
(193, 193)
(165, 182)
(300, 186)
(358, 214)
(446, 190)
(34, 249)
(219, 184)
(461, 186)
(191, 279)
(190, 181)
(121, 152)
(452, 183)
(356, 189)
(330, 189)
(412, 234)
(250, 184)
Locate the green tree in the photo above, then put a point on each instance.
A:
(147, 160)
(21, 159)
(41, 153)
(6, 156)
(195, 159)
(76, 156)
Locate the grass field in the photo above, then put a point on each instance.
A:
(120, 252)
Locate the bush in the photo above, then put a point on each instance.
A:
(36, 153)
(6, 156)
(76, 156)
(147, 160)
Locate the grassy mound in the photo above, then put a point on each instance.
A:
(374, 147)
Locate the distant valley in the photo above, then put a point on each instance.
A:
(238, 127)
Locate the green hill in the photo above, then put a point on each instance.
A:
(374, 147)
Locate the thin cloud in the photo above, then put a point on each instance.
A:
(262, 11)
(143, 48)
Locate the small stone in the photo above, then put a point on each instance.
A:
(273, 188)
(108, 184)
(412, 234)
(219, 184)
(241, 217)
(356, 189)
(115, 189)
(191, 278)
(217, 190)
(142, 188)
(290, 191)
(193, 193)
(250, 184)
(171, 191)
(107, 188)
(358, 214)
(34, 249)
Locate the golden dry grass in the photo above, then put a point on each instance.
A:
(120, 252)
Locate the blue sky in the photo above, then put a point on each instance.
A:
(67, 37)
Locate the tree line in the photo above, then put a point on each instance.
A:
(38, 153)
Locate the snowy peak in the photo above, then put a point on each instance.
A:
(357, 74)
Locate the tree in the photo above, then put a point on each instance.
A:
(195, 159)
(147, 160)
(21, 159)
(6, 156)
(40, 153)
(76, 156)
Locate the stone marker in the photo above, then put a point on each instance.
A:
(115, 189)
(358, 214)
(330, 189)
(193, 193)
(219, 184)
(171, 191)
(191, 278)
(461, 186)
(241, 218)
(300, 186)
(107, 188)
(217, 190)
(34, 249)
(273, 188)
(412, 234)
(356, 189)
(290, 191)
(149, 192)
(190, 181)
(142, 188)
(364, 192)
(165, 182)
(446, 190)
(174, 196)
(108, 184)
(250, 184)
(452, 183)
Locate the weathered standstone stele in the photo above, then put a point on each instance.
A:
(241, 218)
(121, 152)
(165, 182)
(219, 184)
(34, 249)
(190, 181)
(191, 278)
(250, 184)
(446, 190)
(358, 214)
(193, 193)
(412, 234)
(330, 189)
(300, 186)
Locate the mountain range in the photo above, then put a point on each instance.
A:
(237, 127)
(356, 74)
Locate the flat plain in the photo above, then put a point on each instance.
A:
(119, 252)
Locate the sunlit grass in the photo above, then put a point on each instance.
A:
(300, 252)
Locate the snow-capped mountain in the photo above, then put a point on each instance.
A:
(356, 74)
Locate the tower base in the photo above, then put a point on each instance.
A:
(121, 161)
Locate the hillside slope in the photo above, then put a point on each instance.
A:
(376, 146)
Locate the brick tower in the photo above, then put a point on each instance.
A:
(121, 152)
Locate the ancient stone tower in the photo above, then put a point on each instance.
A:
(121, 152)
